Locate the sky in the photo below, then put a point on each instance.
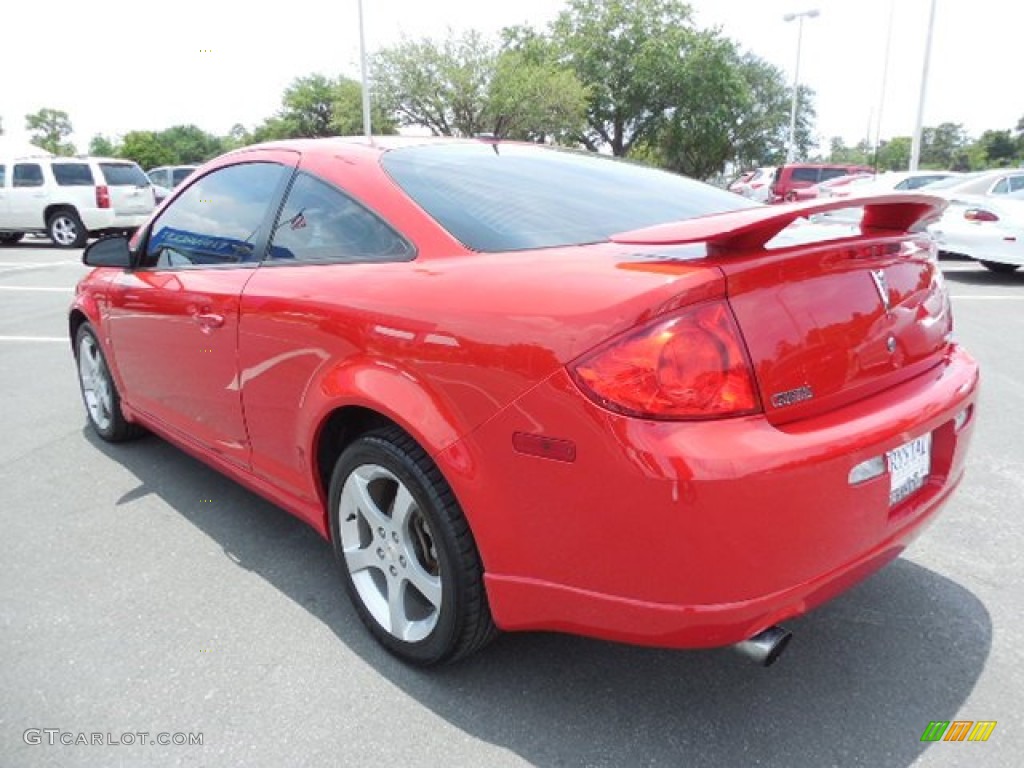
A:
(121, 65)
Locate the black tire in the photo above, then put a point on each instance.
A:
(65, 228)
(1002, 269)
(432, 541)
(99, 393)
(10, 238)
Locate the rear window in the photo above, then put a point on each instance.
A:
(72, 174)
(124, 175)
(506, 197)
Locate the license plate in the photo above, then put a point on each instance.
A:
(909, 467)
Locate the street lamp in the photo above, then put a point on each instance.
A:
(365, 77)
(812, 13)
(915, 144)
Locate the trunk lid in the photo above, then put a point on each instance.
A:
(830, 314)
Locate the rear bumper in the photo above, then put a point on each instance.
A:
(697, 534)
(982, 242)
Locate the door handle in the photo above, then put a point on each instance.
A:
(208, 320)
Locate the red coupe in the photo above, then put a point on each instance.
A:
(522, 388)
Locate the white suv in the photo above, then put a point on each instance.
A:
(71, 198)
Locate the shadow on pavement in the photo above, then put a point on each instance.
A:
(984, 277)
(861, 680)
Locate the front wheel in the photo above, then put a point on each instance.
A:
(407, 556)
(999, 268)
(99, 393)
(65, 228)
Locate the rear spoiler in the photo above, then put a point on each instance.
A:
(749, 229)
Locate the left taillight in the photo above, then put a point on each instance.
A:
(691, 365)
(102, 197)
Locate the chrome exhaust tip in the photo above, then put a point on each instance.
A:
(765, 647)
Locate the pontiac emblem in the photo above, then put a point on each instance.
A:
(882, 286)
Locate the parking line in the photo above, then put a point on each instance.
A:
(44, 288)
(48, 339)
(986, 297)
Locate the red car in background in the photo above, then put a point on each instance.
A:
(522, 388)
(839, 186)
(789, 179)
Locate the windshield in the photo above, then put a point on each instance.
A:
(506, 197)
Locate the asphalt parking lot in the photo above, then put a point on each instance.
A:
(141, 592)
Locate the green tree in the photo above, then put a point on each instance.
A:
(894, 154)
(49, 128)
(101, 146)
(629, 54)
(308, 106)
(999, 148)
(440, 86)
(347, 111)
(464, 86)
(945, 146)
(146, 148)
(189, 144)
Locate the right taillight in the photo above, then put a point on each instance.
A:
(102, 197)
(692, 365)
(979, 214)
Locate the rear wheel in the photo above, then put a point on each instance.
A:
(99, 393)
(407, 555)
(65, 228)
(9, 238)
(996, 266)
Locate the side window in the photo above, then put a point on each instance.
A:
(833, 173)
(217, 220)
(28, 175)
(1002, 187)
(3, 176)
(321, 223)
(178, 175)
(1016, 183)
(805, 174)
(72, 174)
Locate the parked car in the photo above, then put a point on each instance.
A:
(997, 182)
(523, 388)
(885, 183)
(71, 198)
(987, 228)
(166, 177)
(755, 184)
(790, 178)
(834, 187)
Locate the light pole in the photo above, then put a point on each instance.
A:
(791, 150)
(366, 84)
(915, 144)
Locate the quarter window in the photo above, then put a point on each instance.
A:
(217, 220)
(72, 174)
(28, 175)
(321, 223)
(1002, 187)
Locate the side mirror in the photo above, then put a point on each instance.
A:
(108, 252)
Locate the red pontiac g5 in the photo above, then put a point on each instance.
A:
(521, 388)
